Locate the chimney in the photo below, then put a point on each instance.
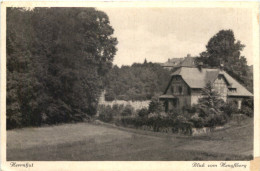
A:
(200, 64)
(188, 55)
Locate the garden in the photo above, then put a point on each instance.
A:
(210, 112)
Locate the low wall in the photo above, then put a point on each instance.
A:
(135, 104)
(205, 130)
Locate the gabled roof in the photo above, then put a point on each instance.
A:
(198, 78)
(188, 62)
(211, 76)
(172, 62)
(241, 90)
(180, 62)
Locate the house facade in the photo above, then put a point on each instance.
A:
(186, 84)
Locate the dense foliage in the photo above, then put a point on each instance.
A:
(114, 112)
(55, 60)
(211, 111)
(210, 102)
(154, 121)
(136, 82)
(223, 50)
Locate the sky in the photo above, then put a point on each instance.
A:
(158, 34)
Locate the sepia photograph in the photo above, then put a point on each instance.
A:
(129, 84)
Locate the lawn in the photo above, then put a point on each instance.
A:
(90, 142)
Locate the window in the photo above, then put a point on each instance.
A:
(180, 89)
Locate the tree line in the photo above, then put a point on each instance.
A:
(136, 82)
(56, 58)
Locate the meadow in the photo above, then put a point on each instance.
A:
(102, 142)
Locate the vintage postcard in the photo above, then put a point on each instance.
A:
(129, 86)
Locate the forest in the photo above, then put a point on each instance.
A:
(136, 82)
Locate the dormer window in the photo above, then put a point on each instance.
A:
(232, 89)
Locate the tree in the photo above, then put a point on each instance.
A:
(224, 51)
(210, 102)
(145, 61)
(58, 56)
(155, 106)
(136, 82)
(210, 108)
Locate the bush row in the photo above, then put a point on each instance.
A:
(109, 113)
(155, 119)
(159, 121)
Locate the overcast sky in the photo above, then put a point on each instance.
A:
(161, 33)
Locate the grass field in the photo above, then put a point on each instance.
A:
(89, 142)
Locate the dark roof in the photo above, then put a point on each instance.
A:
(180, 62)
(175, 60)
(188, 62)
(172, 62)
(196, 78)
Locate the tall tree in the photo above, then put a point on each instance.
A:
(58, 56)
(210, 101)
(223, 50)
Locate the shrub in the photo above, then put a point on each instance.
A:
(248, 102)
(183, 125)
(106, 117)
(127, 111)
(198, 122)
(117, 109)
(247, 111)
(229, 108)
(143, 112)
(189, 109)
(161, 120)
(216, 120)
(248, 107)
(105, 113)
(155, 106)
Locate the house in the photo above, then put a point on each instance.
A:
(173, 63)
(184, 88)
